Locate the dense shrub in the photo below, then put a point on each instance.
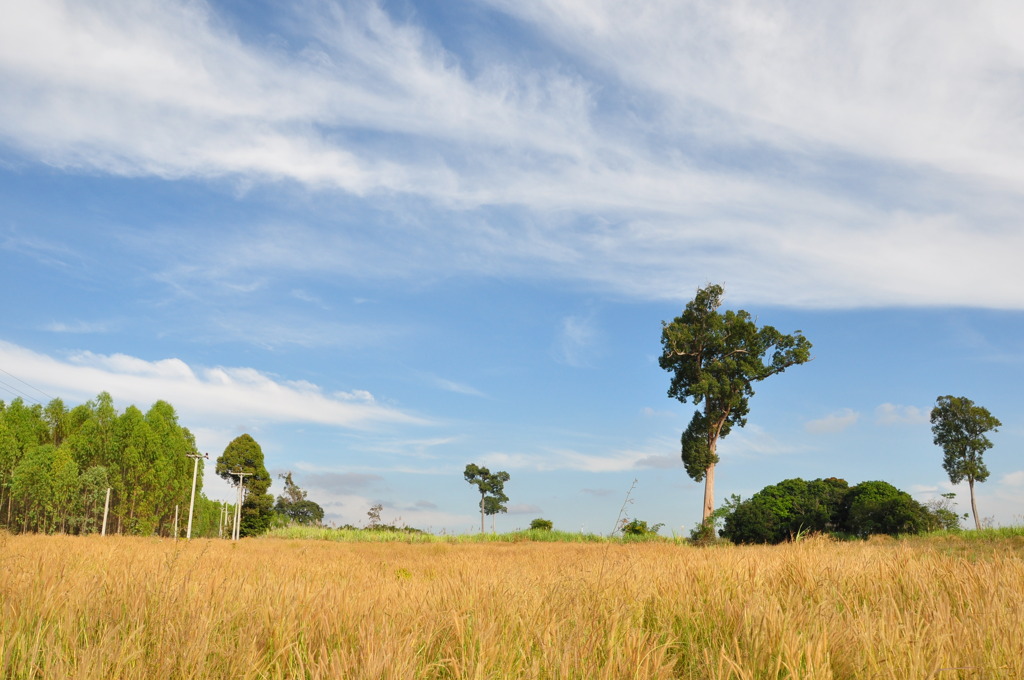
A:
(795, 507)
(542, 524)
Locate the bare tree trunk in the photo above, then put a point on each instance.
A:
(709, 492)
(482, 513)
(974, 506)
(709, 475)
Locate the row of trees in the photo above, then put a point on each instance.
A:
(716, 358)
(56, 465)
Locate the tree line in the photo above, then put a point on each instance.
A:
(56, 465)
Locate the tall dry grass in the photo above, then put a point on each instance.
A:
(129, 608)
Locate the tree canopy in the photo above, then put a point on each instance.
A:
(244, 454)
(715, 359)
(959, 427)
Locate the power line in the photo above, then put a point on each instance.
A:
(16, 392)
(50, 397)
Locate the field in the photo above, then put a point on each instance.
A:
(128, 608)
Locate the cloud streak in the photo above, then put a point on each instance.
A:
(205, 394)
(833, 422)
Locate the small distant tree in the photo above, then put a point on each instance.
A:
(374, 515)
(959, 427)
(294, 505)
(492, 490)
(542, 524)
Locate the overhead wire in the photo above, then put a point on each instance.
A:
(15, 390)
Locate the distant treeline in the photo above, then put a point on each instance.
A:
(56, 465)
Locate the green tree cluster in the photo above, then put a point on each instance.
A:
(56, 465)
(295, 506)
(794, 507)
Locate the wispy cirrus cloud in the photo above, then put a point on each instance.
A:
(802, 153)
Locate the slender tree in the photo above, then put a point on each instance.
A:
(715, 359)
(959, 427)
(491, 487)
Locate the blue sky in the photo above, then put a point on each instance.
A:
(390, 239)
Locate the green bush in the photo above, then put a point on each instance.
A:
(638, 527)
(542, 524)
(795, 507)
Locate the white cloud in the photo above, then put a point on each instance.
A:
(833, 422)
(647, 149)
(207, 395)
(1012, 479)
(892, 414)
(524, 509)
(651, 455)
(752, 441)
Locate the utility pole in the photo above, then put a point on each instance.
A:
(237, 532)
(192, 503)
(106, 509)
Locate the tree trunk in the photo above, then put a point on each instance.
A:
(709, 493)
(482, 514)
(709, 474)
(974, 506)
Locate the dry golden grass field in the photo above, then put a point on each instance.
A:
(275, 608)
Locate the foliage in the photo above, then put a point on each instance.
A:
(56, 465)
(715, 359)
(639, 528)
(945, 517)
(243, 454)
(959, 427)
(795, 507)
(706, 533)
(293, 504)
(541, 524)
(491, 487)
